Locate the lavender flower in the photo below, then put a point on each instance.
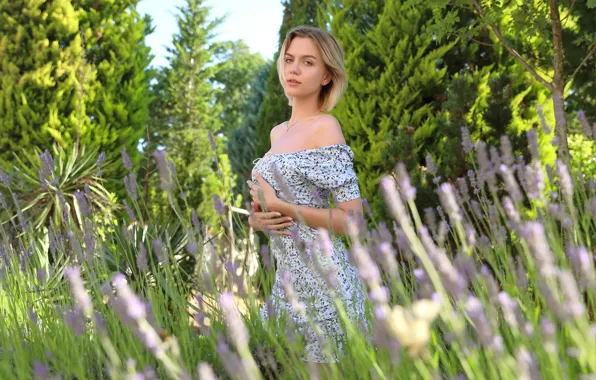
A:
(238, 331)
(511, 184)
(574, 305)
(74, 320)
(580, 261)
(142, 258)
(167, 170)
(129, 211)
(483, 328)
(507, 151)
(3, 202)
(430, 165)
(126, 159)
(83, 303)
(130, 183)
(21, 217)
(581, 115)
(545, 127)
(533, 143)
(161, 255)
(447, 198)
(396, 206)
(408, 192)
(549, 331)
(451, 279)
(130, 307)
(47, 163)
(486, 170)
(205, 372)
(534, 179)
(533, 233)
(466, 141)
(82, 202)
(527, 368)
(100, 160)
(4, 179)
(40, 370)
(195, 219)
(286, 190)
(218, 205)
(565, 181)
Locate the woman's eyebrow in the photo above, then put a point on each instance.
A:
(304, 56)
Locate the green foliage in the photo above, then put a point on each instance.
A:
(242, 142)
(47, 192)
(186, 92)
(388, 111)
(72, 72)
(583, 155)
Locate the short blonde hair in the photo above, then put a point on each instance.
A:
(333, 57)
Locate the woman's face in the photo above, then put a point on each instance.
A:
(304, 69)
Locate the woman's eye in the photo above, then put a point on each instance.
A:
(288, 60)
(308, 63)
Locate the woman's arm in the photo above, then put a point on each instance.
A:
(333, 219)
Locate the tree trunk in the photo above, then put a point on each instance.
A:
(558, 84)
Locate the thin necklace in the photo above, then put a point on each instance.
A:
(296, 122)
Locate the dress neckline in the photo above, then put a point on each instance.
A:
(267, 155)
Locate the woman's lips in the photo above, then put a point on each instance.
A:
(293, 83)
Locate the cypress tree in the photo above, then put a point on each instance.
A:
(73, 73)
(388, 111)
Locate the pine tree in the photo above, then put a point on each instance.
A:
(72, 72)
(189, 110)
(275, 108)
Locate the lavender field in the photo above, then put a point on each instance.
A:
(497, 282)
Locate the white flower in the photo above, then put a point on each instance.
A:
(412, 326)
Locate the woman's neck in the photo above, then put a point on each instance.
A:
(303, 108)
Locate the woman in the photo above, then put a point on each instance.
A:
(309, 156)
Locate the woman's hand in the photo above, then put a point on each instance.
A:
(263, 194)
(271, 222)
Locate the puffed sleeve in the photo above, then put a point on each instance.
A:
(332, 168)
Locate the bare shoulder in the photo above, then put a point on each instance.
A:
(276, 132)
(327, 131)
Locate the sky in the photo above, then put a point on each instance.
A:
(256, 22)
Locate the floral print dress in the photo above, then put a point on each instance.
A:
(316, 271)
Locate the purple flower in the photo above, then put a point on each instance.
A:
(3, 202)
(511, 184)
(534, 180)
(486, 170)
(581, 115)
(430, 165)
(475, 311)
(47, 163)
(238, 331)
(447, 198)
(83, 303)
(167, 170)
(83, 205)
(126, 159)
(100, 160)
(507, 151)
(161, 255)
(466, 142)
(533, 233)
(464, 192)
(408, 192)
(195, 219)
(40, 370)
(533, 143)
(75, 321)
(565, 181)
(129, 211)
(127, 304)
(130, 183)
(393, 200)
(4, 178)
(580, 261)
(573, 299)
(219, 206)
(142, 258)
